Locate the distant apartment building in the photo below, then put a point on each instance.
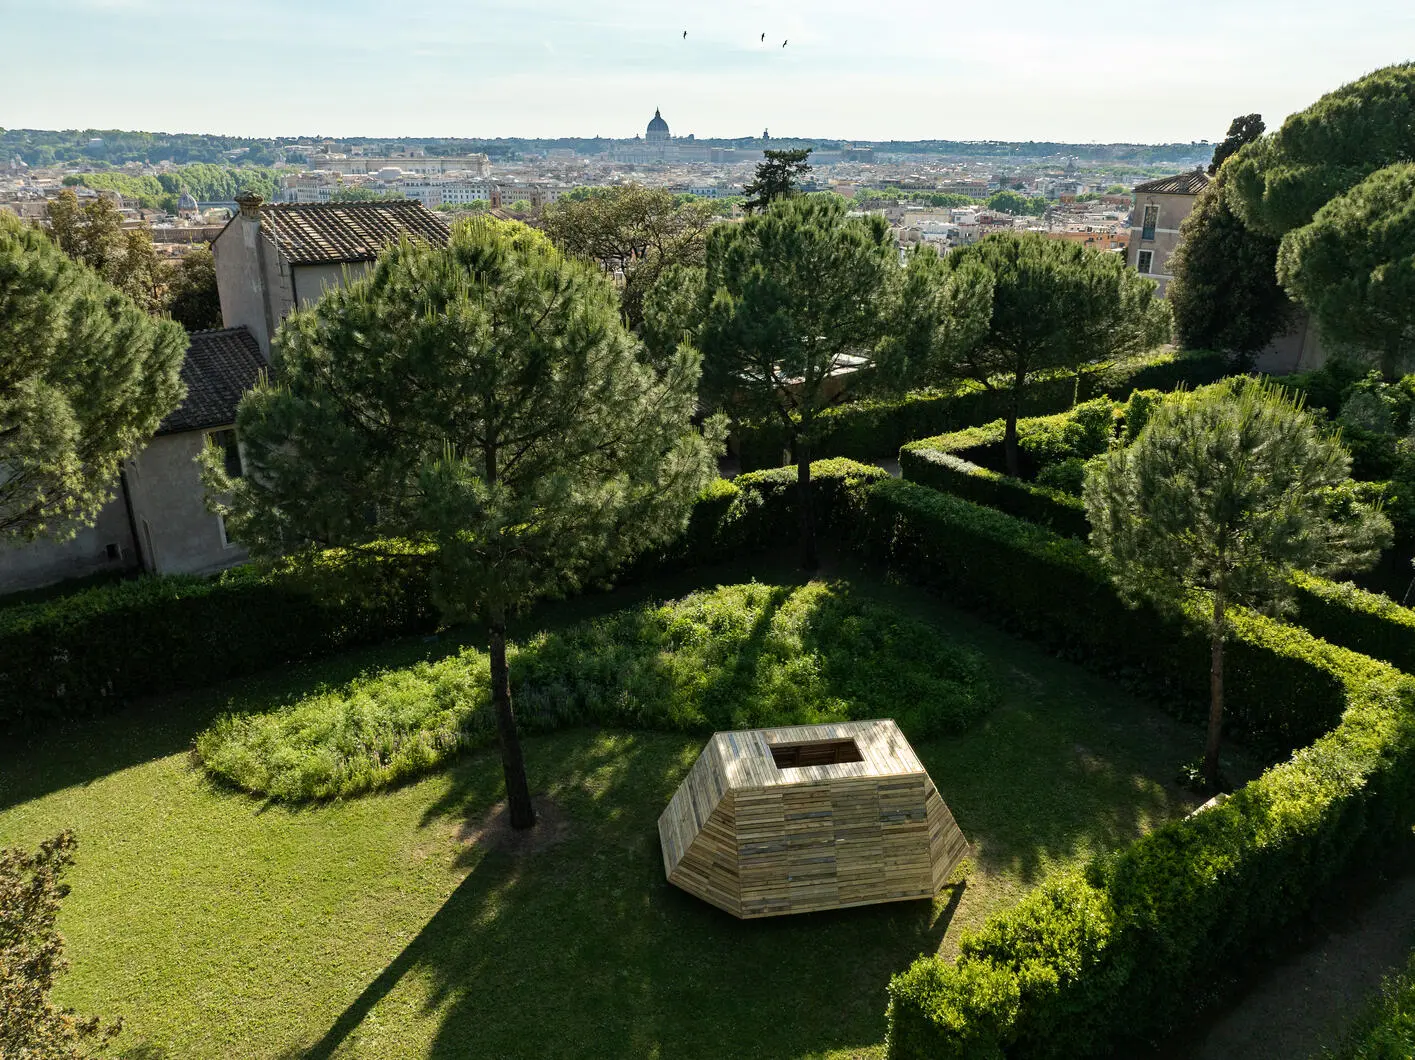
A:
(1160, 206)
(974, 189)
(309, 187)
(433, 193)
(476, 165)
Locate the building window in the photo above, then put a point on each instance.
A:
(1152, 218)
(230, 450)
(1145, 261)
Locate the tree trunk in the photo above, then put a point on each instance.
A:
(809, 560)
(1390, 364)
(1009, 436)
(513, 764)
(1216, 637)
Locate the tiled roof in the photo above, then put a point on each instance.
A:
(1191, 183)
(328, 233)
(219, 368)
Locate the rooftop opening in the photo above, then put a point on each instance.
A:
(815, 753)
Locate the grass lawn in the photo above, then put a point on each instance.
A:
(218, 925)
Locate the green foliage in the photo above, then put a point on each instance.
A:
(1225, 294)
(1051, 588)
(641, 233)
(1386, 1029)
(192, 297)
(88, 376)
(1016, 203)
(934, 317)
(1138, 409)
(1083, 965)
(32, 958)
(1283, 179)
(778, 176)
(1353, 266)
(93, 235)
(1042, 504)
(793, 297)
(1228, 489)
(76, 654)
(1055, 306)
(1241, 130)
(739, 656)
(876, 427)
(483, 399)
(205, 182)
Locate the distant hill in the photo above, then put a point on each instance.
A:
(43, 147)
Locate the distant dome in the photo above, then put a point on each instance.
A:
(186, 202)
(658, 128)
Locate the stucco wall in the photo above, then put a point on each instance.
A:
(178, 534)
(311, 281)
(45, 562)
(260, 303)
(1172, 211)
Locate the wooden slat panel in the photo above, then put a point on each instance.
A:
(758, 840)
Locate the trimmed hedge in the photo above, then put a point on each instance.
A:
(105, 646)
(1339, 612)
(938, 470)
(1051, 588)
(873, 428)
(1089, 962)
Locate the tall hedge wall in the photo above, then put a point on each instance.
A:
(1050, 588)
(107, 645)
(875, 428)
(1090, 961)
(1338, 612)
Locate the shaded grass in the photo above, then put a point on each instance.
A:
(737, 656)
(220, 926)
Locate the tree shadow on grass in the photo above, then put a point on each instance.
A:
(81, 748)
(584, 949)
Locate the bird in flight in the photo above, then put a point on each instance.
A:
(685, 34)
(763, 38)
(783, 44)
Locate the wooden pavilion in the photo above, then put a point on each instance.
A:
(808, 817)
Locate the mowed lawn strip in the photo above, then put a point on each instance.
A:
(219, 925)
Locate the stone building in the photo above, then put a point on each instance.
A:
(273, 257)
(1160, 207)
(157, 520)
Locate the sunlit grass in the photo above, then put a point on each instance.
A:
(220, 925)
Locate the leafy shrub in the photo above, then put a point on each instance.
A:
(1041, 504)
(1386, 1029)
(739, 656)
(1085, 963)
(105, 646)
(874, 427)
(1083, 432)
(32, 957)
(1139, 407)
(1067, 477)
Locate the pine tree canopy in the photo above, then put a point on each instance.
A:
(483, 400)
(86, 377)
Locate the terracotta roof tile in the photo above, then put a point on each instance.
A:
(1191, 183)
(333, 232)
(219, 368)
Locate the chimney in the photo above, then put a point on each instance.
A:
(250, 203)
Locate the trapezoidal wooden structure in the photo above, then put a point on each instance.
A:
(808, 817)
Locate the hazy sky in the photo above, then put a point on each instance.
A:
(867, 69)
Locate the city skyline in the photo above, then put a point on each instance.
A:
(554, 69)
